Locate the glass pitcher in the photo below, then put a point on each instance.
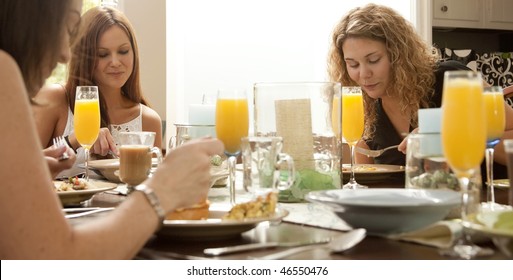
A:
(305, 116)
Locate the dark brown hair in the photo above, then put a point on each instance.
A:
(30, 31)
(84, 56)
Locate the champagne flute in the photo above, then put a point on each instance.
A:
(463, 143)
(496, 123)
(86, 118)
(232, 123)
(352, 126)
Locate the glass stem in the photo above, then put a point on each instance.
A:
(86, 163)
(232, 160)
(352, 180)
(489, 175)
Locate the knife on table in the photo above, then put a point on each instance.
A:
(254, 246)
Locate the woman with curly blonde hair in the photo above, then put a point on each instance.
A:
(376, 48)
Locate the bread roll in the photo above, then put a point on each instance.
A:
(196, 212)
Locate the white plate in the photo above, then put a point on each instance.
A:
(213, 228)
(388, 211)
(371, 172)
(73, 198)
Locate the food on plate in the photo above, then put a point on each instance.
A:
(360, 168)
(198, 211)
(262, 207)
(72, 184)
(437, 180)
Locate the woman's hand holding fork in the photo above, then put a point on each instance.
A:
(53, 156)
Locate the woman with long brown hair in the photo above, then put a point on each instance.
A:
(33, 224)
(106, 55)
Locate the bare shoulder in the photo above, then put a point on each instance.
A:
(54, 94)
(8, 67)
(10, 78)
(150, 115)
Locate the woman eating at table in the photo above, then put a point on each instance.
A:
(33, 225)
(375, 48)
(106, 55)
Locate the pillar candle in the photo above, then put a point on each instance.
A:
(202, 114)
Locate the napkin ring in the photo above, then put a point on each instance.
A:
(154, 202)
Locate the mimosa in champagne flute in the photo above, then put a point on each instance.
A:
(352, 126)
(463, 143)
(86, 119)
(232, 123)
(496, 123)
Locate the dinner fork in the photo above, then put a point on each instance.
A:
(59, 142)
(374, 153)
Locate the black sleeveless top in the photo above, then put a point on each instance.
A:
(386, 135)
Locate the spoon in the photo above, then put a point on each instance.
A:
(338, 244)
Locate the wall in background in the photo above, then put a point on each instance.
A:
(214, 44)
(149, 20)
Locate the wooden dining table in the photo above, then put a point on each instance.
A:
(371, 248)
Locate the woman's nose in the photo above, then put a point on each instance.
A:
(115, 60)
(365, 72)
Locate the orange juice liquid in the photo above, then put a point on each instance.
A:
(87, 121)
(232, 122)
(463, 124)
(495, 117)
(352, 117)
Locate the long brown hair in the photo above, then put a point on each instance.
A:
(85, 53)
(413, 62)
(30, 31)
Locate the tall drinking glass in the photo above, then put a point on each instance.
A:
(463, 144)
(232, 123)
(86, 119)
(496, 123)
(352, 126)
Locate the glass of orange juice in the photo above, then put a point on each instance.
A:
(496, 123)
(464, 136)
(232, 124)
(86, 119)
(352, 126)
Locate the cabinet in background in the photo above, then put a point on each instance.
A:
(483, 14)
(498, 14)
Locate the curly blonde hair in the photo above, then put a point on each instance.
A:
(413, 62)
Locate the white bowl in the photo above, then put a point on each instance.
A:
(388, 211)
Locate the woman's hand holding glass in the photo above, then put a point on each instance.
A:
(463, 143)
(86, 119)
(232, 123)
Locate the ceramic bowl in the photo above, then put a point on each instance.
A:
(388, 211)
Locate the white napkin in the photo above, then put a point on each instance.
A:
(440, 234)
(313, 214)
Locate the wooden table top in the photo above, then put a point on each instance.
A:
(371, 248)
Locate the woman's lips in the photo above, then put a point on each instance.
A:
(115, 74)
(370, 87)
